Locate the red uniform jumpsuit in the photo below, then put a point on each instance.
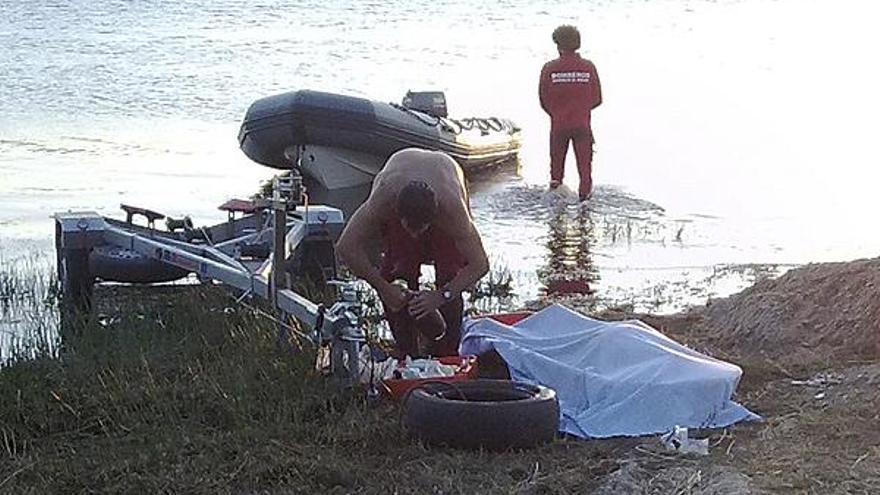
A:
(569, 90)
(403, 257)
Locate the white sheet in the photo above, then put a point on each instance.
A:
(612, 378)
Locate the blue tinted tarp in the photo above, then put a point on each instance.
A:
(612, 378)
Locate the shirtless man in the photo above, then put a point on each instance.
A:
(418, 209)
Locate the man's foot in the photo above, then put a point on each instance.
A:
(554, 184)
(585, 197)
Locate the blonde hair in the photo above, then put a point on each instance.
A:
(567, 38)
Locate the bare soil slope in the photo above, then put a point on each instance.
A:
(820, 313)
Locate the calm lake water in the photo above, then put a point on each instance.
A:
(736, 137)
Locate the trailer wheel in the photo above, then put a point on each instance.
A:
(490, 414)
(116, 264)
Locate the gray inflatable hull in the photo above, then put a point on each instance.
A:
(275, 124)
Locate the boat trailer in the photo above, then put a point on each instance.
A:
(257, 253)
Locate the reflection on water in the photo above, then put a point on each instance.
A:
(569, 269)
(616, 250)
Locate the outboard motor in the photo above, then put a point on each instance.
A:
(429, 102)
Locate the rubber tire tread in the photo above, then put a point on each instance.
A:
(523, 416)
(117, 264)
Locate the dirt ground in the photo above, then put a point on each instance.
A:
(819, 434)
(808, 346)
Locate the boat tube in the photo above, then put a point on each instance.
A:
(275, 126)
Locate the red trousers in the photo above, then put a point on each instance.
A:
(403, 258)
(583, 152)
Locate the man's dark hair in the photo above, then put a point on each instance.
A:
(416, 204)
(567, 38)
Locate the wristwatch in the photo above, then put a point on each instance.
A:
(446, 292)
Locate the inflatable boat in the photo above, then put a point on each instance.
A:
(341, 142)
(274, 124)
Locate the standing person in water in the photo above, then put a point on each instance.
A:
(569, 90)
(418, 212)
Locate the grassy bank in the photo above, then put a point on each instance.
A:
(176, 390)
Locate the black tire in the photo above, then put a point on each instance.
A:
(489, 414)
(116, 264)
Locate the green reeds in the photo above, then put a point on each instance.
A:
(155, 384)
(28, 307)
(176, 389)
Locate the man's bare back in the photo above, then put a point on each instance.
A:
(419, 201)
(436, 169)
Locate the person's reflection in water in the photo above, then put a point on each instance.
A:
(569, 271)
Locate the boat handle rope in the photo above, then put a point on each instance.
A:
(449, 125)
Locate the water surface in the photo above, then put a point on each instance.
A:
(735, 135)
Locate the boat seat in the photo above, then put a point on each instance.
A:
(150, 215)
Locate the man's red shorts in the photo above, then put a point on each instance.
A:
(403, 258)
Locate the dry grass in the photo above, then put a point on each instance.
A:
(176, 391)
(819, 433)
